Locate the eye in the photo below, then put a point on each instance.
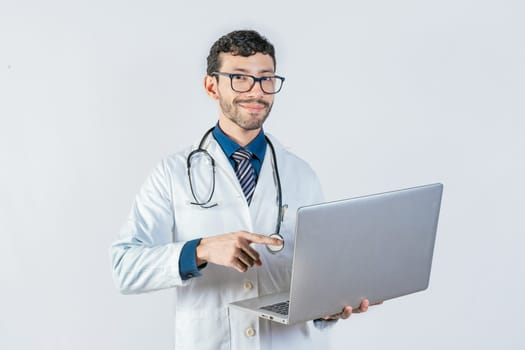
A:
(239, 77)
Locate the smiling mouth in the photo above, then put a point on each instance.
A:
(253, 106)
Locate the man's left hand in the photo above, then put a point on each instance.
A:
(348, 311)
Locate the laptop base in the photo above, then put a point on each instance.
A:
(254, 306)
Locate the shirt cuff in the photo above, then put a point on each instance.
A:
(321, 324)
(188, 262)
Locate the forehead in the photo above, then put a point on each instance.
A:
(254, 64)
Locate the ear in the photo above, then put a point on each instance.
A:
(211, 86)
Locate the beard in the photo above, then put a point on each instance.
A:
(244, 119)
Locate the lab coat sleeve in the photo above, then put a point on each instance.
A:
(145, 258)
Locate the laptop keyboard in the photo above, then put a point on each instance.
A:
(279, 308)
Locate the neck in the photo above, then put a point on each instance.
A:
(241, 136)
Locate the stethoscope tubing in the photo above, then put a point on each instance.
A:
(206, 204)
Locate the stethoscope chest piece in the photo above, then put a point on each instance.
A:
(276, 248)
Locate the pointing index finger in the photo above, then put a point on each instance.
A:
(261, 239)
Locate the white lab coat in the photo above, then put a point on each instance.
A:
(146, 255)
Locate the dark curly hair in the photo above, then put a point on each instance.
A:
(240, 42)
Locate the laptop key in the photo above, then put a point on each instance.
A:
(279, 308)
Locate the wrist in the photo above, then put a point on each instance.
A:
(200, 257)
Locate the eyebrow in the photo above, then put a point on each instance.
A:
(242, 70)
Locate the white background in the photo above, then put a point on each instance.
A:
(379, 95)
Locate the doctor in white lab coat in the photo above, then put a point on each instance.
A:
(232, 258)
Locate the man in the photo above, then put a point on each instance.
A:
(201, 221)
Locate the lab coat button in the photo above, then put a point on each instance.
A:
(248, 285)
(250, 332)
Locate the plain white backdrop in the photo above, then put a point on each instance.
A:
(379, 95)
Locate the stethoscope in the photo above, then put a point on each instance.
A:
(206, 204)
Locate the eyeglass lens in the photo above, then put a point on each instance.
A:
(244, 83)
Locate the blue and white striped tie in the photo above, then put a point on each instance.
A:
(245, 172)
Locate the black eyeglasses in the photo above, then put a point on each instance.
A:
(244, 82)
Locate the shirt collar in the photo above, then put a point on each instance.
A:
(257, 146)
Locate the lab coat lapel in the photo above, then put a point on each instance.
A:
(263, 208)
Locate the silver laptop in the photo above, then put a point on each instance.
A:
(376, 247)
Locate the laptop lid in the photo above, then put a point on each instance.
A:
(376, 247)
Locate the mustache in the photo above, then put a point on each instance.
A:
(253, 100)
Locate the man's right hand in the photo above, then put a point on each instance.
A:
(233, 249)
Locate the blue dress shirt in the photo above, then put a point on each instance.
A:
(187, 262)
(257, 147)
